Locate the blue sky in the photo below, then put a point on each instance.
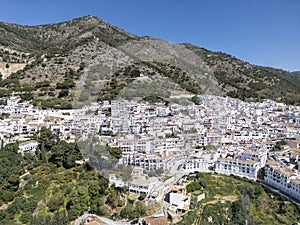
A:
(262, 32)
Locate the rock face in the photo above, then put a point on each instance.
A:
(91, 58)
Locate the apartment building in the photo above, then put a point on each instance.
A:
(143, 184)
(147, 162)
(238, 167)
(257, 156)
(283, 178)
(131, 146)
(196, 165)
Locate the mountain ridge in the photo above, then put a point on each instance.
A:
(87, 49)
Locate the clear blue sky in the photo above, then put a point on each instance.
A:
(262, 32)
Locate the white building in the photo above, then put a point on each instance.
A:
(143, 184)
(118, 182)
(145, 161)
(196, 165)
(242, 168)
(258, 156)
(200, 162)
(282, 178)
(135, 145)
(28, 146)
(179, 199)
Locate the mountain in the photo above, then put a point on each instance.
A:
(295, 76)
(240, 79)
(86, 59)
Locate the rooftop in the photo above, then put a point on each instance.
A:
(157, 220)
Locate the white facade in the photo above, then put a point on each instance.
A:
(258, 156)
(196, 165)
(242, 168)
(118, 182)
(143, 184)
(28, 146)
(135, 146)
(285, 179)
(200, 162)
(179, 200)
(147, 162)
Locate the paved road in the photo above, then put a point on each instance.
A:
(110, 222)
(176, 172)
(80, 219)
(105, 220)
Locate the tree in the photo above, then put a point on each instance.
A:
(63, 93)
(64, 154)
(46, 138)
(194, 186)
(55, 202)
(127, 211)
(142, 196)
(139, 209)
(195, 100)
(279, 144)
(65, 85)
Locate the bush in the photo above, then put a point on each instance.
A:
(121, 203)
(3, 214)
(104, 210)
(63, 93)
(55, 103)
(7, 195)
(194, 186)
(195, 100)
(126, 212)
(65, 85)
(55, 203)
(142, 196)
(115, 152)
(44, 83)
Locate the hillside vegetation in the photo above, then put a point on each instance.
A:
(79, 59)
(234, 200)
(50, 188)
(242, 80)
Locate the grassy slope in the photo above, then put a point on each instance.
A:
(245, 200)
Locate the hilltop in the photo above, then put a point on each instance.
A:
(87, 58)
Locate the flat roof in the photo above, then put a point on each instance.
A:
(296, 180)
(287, 171)
(143, 181)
